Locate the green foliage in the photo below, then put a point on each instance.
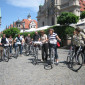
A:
(67, 18)
(82, 16)
(13, 32)
(62, 31)
(26, 33)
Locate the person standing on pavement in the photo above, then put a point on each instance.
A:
(79, 40)
(10, 39)
(52, 38)
(44, 46)
(1, 49)
(36, 37)
(28, 39)
(23, 42)
(18, 42)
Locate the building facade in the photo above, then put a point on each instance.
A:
(48, 13)
(24, 24)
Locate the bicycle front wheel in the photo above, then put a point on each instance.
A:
(6, 55)
(77, 61)
(52, 57)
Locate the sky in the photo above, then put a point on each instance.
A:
(12, 10)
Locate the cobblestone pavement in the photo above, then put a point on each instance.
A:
(22, 72)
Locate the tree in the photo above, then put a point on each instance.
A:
(67, 18)
(82, 16)
(12, 31)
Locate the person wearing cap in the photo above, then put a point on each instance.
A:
(52, 38)
(43, 39)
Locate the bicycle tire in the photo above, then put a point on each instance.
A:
(76, 64)
(52, 57)
(17, 52)
(6, 56)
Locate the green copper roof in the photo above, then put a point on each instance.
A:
(0, 12)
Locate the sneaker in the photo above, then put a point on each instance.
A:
(41, 60)
(57, 62)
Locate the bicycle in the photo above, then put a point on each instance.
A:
(29, 49)
(71, 53)
(6, 53)
(76, 59)
(52, 57)
(35, 51)
(15, 51)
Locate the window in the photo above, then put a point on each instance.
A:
(19, 25)
(42, 23)
(52, 21)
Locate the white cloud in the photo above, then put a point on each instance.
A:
(34, 4)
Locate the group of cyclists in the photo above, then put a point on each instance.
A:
(48, 41)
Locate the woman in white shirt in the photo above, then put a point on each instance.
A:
(44, 46)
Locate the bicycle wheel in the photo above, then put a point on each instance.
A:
(69, 61)
(6, 55)
(26, 50)
(77, 61)
(52, 57)
(17, 52)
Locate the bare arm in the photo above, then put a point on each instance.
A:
(58, 38)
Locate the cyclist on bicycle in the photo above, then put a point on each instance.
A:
(79, 39)
(28, 39)
(18, 42)
(1, 49)
(36, 37)
(44, 46)
(4, 41)
(52, 38)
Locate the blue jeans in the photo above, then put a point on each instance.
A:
(20, 48)
(55, 47)
(10, 49)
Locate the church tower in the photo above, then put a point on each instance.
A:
(46, 1)
(29, 17)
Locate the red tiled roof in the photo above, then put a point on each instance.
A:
(27, 23)
(82, 4)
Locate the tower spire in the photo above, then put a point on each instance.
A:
(29, 16)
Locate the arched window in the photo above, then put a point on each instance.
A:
(52, 20)
(42, 23)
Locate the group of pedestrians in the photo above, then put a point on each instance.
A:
(48, 41)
